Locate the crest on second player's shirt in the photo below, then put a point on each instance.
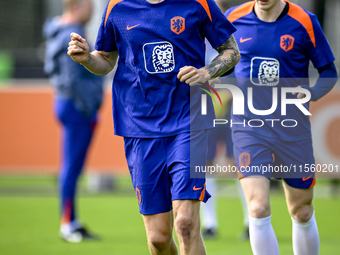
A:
(287, 42)
(177, 24)
(265, 71)
(159, 57)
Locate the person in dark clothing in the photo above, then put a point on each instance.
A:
(78, 96)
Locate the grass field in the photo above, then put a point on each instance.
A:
(29, 221)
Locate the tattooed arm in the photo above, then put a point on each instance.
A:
(227, 58)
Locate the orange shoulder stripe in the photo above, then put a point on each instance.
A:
(241, 11)
(109, 8)
(299, 14)
(205, 5)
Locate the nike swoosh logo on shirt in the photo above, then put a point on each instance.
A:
(244, 40)
(197, 188)
(129, 28)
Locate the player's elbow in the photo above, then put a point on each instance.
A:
(237, 55)
(104, 71)
(235, 58)
(233, 55)
(102, 62)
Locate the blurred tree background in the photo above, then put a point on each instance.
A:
(22, 44)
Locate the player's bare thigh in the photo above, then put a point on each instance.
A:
(159, 230)
(299, 202)
(186, 214)
(187, 226)
(256, 191)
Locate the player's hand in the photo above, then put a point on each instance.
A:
(215, 80)
(78, 49)
(299, 95)
(193, 76)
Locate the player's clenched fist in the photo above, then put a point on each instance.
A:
(78, 49)
(193, 76)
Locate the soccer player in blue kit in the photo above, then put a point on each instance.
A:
(277, 39)
(160, 45)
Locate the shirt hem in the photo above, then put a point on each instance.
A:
(158, 135)
(290, 139)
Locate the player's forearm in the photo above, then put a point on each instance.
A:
(228, 57)
(101, 63)
(325, 83)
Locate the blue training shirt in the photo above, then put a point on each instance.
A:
(276, 54)
(154, 41)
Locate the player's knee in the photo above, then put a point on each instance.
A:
(160, 241)
(302, 213)
(259, 209)
(184, 226)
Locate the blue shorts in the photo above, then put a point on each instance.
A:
(161, 168)
(274, 158)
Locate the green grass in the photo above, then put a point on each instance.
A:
(29, 224)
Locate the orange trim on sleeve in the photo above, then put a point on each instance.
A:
(109, 9)
(300, 15)
(241, 11)
(205, 5)
(202, 194)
